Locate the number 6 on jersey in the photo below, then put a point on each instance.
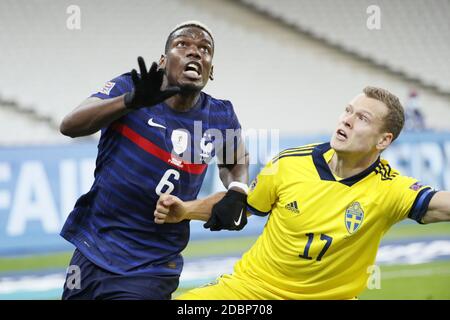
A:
(166, 183)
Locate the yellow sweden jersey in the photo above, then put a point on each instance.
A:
(322, 235)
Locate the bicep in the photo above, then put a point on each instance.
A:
(85, 103)
(88, 101)
(439, 208)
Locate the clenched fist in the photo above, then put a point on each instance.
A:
(169, 209)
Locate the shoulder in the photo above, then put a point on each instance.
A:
(122, 83)
(221, 113)
(294, 162)
(386, 173)
(296, 152)
(115, 87)
(395, 181)
(124, 78)
(218, 104)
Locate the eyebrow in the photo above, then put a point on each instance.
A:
(362, 111)
(187, 36)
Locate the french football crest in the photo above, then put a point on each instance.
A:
(179, 141)
(206, 147)
(354, 216)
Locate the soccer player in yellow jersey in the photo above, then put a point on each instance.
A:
(329, 206)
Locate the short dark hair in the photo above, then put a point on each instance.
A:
(395, 118)
(187, 24)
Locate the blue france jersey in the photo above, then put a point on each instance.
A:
(143, 154)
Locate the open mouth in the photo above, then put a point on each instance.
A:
(193, 70)
(341, 134)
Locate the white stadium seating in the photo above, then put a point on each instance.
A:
(276, 76)
(413, 38)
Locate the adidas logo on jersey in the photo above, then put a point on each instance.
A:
(292, 206)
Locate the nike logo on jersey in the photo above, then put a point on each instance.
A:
(151, 123)
(238, 221)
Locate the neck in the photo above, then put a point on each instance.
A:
(184, 101)
(348, 165)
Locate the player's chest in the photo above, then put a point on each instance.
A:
(186, 138)
(328, 207)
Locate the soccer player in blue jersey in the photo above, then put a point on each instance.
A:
(159, 131)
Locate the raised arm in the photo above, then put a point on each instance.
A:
(439, 208)
(95, 113)
(92, 115)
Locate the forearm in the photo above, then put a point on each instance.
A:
(201, 209)
(92, 115)
(235, 172)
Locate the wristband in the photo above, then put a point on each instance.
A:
(239, 185)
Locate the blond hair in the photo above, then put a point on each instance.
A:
(395, 117)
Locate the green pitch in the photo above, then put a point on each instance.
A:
(405, 282)
(422, 281)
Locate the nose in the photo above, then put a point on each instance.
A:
(347, 120)
(193, 52)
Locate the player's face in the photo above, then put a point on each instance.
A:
(360, 126)
(188, 62)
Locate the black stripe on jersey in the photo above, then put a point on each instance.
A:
(256, 212)
(385, 172)
(292, 155)
(324, 170)
(308, 147)
(420, 205)
(298, 149)
(294, 150)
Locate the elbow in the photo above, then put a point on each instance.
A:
(66, 129)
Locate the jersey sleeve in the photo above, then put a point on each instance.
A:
(233, 119)
(115, 87)
(234, 125)
(232, 137)
(410, 199)
(263, 190)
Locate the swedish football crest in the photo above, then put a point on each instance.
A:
(354, 216)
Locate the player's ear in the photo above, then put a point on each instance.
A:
(162, 62)
(211, 73)
(384, 141)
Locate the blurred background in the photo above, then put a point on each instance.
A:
(288, 66)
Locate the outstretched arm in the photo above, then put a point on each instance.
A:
(439, 208)
(171, 209)
(92, 115)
